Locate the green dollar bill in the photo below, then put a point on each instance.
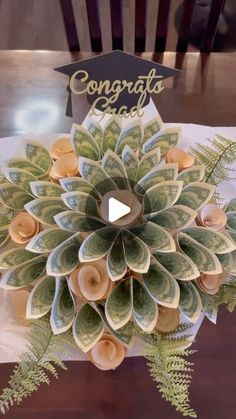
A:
(144, 307)
(165, 140)
(27, 166)
(157, 175)
(194, 174)
(125, 334)
(38, 155)
(228, 261)
(179, 265)
(94, 174)
(41, 298)
(12, 196)
(88, 327)
(74, 221)
(214, 240)
(20, 178)
(111, 134)
(190, 301)
(97, 133)
(14, 257)
(162, 196)
(152, 127)
(4, 236)
(154, 236)
(231, 220)
(204, 259)
(209, 305)
(231, 205)
(176, 217)
(119, 304)
(71, 184)
(47, 240)
(84, 143)
(64, 258)
(44, 209)
(81, 202)
(115, 168)
(97, 244)
(63, 310)
(196, 195)
(137, 254)
(161, 285)
(116, 263)
(148, 162)
(132, 136)
(24, 274)
(42, 188)
(131, 162)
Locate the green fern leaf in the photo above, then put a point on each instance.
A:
(37, 364)
(217, 158)
(227, 294)
(168, 366)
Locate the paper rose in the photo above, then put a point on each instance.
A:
(213, 217)
(183, 159)
(61, 147)
(121, 270)
(91, 281)
(108, 353)
(23, 227)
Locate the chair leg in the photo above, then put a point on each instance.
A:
(69, 23)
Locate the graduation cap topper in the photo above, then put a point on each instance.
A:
(116, 82)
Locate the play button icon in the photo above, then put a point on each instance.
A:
(117, 210)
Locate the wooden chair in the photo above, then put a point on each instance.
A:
(133, 26)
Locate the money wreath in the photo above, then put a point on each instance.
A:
(109, 282)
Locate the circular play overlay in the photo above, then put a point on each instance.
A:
(118, 204)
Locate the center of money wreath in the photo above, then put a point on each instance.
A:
(111, 200)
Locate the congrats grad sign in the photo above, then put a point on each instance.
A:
(116, 83)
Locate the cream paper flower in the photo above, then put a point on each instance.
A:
(176, 155)
(108, 353)
(23, 227)
(91, 281)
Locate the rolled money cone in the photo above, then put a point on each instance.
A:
(65, 166)
(168, 319)
(61, 147)
(176, 155)
(108, 353)
(91, 281)
(23, 227)
(18, 301)
(213, 217)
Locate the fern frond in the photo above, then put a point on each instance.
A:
(227, 295)
(168, 366)
(217, 158)
(37, 364)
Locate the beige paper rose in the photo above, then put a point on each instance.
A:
(18, 301)
(61, 147)
(176, 155)
(91, 281)
(108, 353)
(213, 217)
(23, 227)
(210, 284)
(65, 166)
(168, 319)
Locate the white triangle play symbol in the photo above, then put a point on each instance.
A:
(117, 210)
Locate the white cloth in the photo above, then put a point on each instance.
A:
(13, 336)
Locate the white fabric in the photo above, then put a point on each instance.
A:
(13, 336)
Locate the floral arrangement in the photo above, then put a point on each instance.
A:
(79, 280)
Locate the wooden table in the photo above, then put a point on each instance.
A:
(32, 100)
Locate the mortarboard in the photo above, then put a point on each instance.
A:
(112, 66)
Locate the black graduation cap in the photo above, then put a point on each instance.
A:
(115, 65)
